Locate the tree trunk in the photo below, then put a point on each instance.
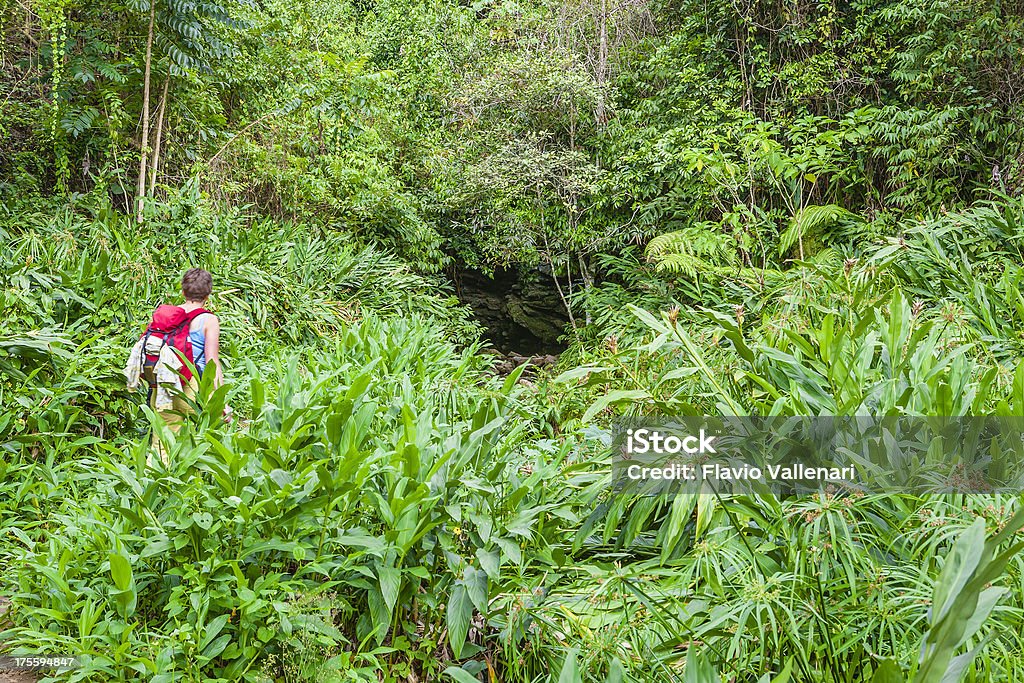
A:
(558, 285)
(602, 62)
(144, 147)
(588, 282)
(160, 115)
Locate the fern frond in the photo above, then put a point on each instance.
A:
(813, 220)
(682, 264)
(692, 250)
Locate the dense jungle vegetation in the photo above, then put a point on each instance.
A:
(750, 207)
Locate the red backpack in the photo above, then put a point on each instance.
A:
(169, 324)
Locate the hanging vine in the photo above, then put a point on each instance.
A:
(53, 16)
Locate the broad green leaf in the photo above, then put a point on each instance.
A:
(490, 562)
(390, 583)
(120, 571)
(570, 672)
(888, 671)
(460, 612)
(476, 587)
(212, 630)
(460, 675)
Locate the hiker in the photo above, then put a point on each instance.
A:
(177, 334)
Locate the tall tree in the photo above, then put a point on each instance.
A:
(143, 147)
(184, 36)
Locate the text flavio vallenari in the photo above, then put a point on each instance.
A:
(653, 442)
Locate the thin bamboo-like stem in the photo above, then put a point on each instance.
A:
(161, 114)
(143, 147)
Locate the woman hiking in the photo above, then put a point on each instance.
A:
(176, 337)
(204, 330)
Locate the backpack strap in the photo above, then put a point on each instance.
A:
(142, 355)
(195, 313)
(186, 323)
(151, 381)
(186, 342)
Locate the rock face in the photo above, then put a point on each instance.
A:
(506, 364)
(522, 314)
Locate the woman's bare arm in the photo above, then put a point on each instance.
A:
(212, 349)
